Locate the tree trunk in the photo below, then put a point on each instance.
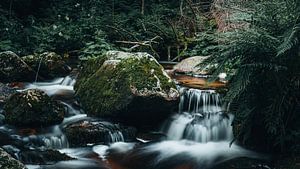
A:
(181, 7)
(143, 7)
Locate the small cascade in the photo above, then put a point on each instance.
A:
(200, 118)
(116, 136)
(54, 139)
(59, 86)
(68, 81)
(199, 101)
(70, 109)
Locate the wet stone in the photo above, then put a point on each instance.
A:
(95, 132)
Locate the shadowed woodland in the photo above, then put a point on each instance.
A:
(112, 54)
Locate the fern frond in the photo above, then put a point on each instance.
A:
(290, 41)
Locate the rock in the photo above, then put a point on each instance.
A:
(43, 157)
(13, 68)
(8, 138)
(32, 108)
(2, 118)
(94, 132)
(48, 64)
(8, 162)
(189, 66)
(243, 163)
(5, 92)
(128, 86)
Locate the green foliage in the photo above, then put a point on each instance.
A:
(97, 47)
(71, 25)
(263, 61)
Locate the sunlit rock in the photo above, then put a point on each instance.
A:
(191, 66)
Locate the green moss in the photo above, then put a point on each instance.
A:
(49, 64)
(144, 73)
(109, 90)
(13, 68)
(88, 68)
(32, 108)
(7, 162)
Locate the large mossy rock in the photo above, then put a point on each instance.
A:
(13, 68)
(48, 64)
(8, 162)
(132, 87)
(32, 108)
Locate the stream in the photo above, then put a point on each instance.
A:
(198, 136)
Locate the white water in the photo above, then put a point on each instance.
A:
(200, 118)
(53, 137)
(63, 86)
(198, 135)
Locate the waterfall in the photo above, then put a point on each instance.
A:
(59, 86)
(200, 118)
(56, 139)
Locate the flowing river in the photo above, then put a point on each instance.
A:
(198, 136)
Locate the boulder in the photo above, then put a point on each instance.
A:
(86, 132)
(48, 64)
(190, 66)
(132, 87)
(32, 108)
(8, 162)
(13, 68)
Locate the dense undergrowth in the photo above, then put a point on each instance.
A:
(88, 28)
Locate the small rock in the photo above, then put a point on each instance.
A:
(190, 66)
(93, 132)
(48, 64)
(13, 68)
(5, 92)
(42, 157)
(8, 162)
(32, 108)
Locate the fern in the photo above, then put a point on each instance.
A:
(263, 66)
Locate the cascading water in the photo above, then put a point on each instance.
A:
(56, 138)
(200, 118)
(199, 137)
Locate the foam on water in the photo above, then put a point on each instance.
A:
(200, 118)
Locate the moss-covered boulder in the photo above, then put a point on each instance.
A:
(129, 86)
(8, 162)
(90, 131)
(13, 68)
(32, 108)
(48, 64)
